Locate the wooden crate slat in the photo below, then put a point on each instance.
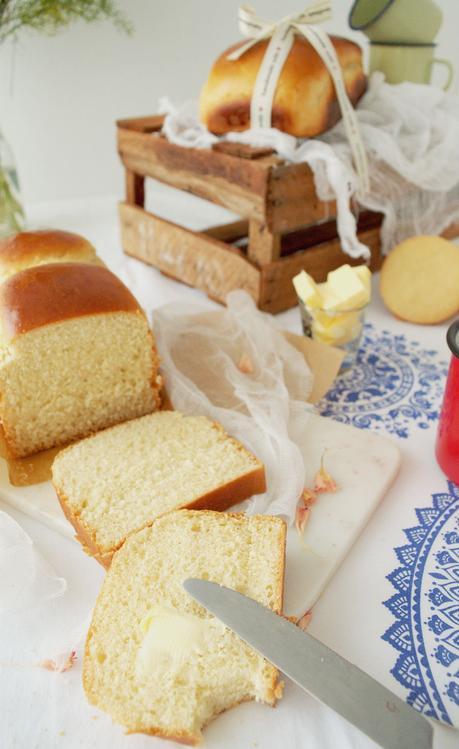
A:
(237, 184)
(241, 150)
(228, 232)
(135, 189)
(264, 247)
(143, 124)
(277, 292)
(292, 201)
(191, 257)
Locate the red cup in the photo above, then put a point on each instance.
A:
(447, 447)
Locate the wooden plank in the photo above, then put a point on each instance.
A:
(264, 246)
(241, 150)
(277, 292)
(237, 184)
(143, 124)
(190, 257)
(292, 201)
(135, 189)
(228, 232)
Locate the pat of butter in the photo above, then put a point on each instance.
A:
(307, 289)
(338, 334)
(364, 273)
(172, 636)
(329, 300)
(346, 286)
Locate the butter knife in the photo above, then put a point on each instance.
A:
(324, 674)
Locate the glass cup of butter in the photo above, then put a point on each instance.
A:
(333, 312)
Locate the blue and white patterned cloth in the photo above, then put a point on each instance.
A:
(426, 609)
(395, 386)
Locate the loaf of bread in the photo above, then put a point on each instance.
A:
(158, 662)
(76, 355)
(30, 248)
(305, 102)
(120, 480)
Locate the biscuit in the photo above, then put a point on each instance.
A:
(420, 280)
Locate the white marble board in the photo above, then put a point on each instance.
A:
(363, 465)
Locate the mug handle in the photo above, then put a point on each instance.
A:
(448, 65)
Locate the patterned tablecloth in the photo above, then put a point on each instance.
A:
(396, 387)
(393, 607)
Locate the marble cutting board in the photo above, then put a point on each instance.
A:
(362, 464)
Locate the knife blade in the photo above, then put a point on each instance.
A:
(321, 672)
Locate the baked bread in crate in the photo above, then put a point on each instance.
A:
(305, 102)
(30, 248)
(76, 355)
(120, 480)
(158, 662)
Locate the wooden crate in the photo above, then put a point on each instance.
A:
(284, 227)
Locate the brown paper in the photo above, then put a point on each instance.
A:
(323, 360)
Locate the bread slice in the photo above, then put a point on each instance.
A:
(157, 661)
(120, 480)
(76, 355)
(30, 248)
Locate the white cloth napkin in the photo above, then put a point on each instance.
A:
(411, 136)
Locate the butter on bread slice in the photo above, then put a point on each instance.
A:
(158, 662)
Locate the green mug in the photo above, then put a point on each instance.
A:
(407, 62)
(399, 21)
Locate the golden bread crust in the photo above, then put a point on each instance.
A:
(305, 102)
(52, 293)
(33, 247)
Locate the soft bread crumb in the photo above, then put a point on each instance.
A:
(122, 479)
(69, 379)
(243, 553)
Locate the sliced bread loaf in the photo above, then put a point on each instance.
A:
(76, 355)
(158, 662)
(118, 481)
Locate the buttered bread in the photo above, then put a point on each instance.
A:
(158, 662)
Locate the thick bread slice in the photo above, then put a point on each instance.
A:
(120, 480)
(76, 355)
(175, 691)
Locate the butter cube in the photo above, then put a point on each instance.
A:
(331, 319)
(347, 287)
(307, 290)
(364, 273)
(342, 329)
(329, 299)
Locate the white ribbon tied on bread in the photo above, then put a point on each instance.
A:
(282, 34)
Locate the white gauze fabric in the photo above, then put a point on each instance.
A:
(26, 578)
(411, 135)
(234, 366)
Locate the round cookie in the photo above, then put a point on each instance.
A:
(420, 280)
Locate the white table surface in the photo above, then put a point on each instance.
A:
(349, 617)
